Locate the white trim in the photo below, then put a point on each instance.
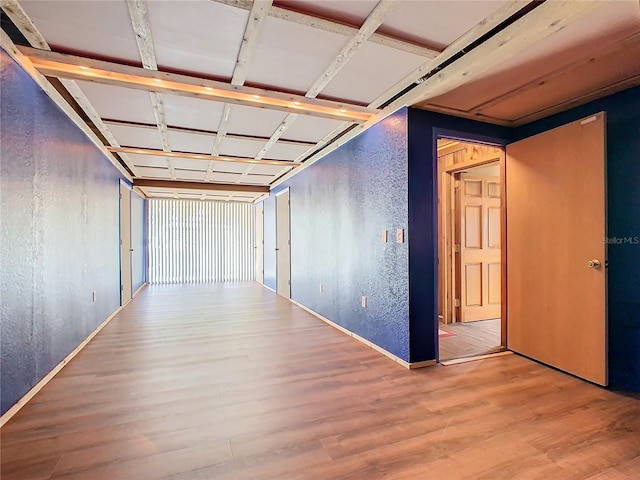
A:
(404, 363)
(139, 289)
(457, 361)
(38, 386)
(268, 288)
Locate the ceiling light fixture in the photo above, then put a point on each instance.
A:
(208, 88)
(157, 79)
(82, 67)
(255, 96)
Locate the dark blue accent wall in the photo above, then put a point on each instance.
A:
(339, 207)
(138, 242)
(270, 242)
(424, 129)
(623, 223)
(59, 234)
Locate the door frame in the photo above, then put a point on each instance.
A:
(441, 209)
(125, 245)
(282, 192)
(259, 241)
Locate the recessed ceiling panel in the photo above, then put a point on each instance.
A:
(147, 160)
(191, 142)
(241, 148)
(190, 164)
(436, 23)
(142, 137)
(224, 177)
(90, 27)
(197, 36)
(266, 169)
(119, 103)
(257, 179)
(189, 175)
(352, 12)
(254, 121)
(286, 151)
(148, 172)
(229, 167)
(310, 129)
(291, 56)
(192, 112)
(362, 79)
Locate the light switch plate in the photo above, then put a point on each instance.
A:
(363, 302)
(385, 236)
(400, 235)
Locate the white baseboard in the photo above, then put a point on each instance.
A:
(404, 363)
(38, 386)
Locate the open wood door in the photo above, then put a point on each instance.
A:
(556, 253)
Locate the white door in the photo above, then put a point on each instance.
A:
(125, 244)
(283, 245)
(260, 242)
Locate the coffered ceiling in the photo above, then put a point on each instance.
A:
(222, 99)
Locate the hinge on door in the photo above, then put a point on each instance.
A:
(456, 248)
(456, 302)
(120, 242)
(457, 184)
(121, 288)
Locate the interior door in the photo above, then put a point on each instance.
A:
(260, 242)
(480, 263)
(125, 244)
(556, 255)
(283, 245)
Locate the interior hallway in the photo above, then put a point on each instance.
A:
(471, 338)
(231, 381)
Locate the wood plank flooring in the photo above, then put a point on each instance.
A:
(471, 338)
(233, 382)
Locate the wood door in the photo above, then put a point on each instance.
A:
(259, 247)
(283, 245)
(555, 201)
(125, 244)
(480, 263)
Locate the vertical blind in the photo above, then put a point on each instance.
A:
(195, 241)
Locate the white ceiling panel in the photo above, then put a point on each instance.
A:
(362, 79)
(291, 56)
(191, 142)
(190, 175)
(267, 169)
(310, 129)
(229, 167)
(286, 151)
(241, 148)
(197, 36)
(148, 172)
(190, 164)
(224, 177)
(352, 12)
(119, 103)
(254, 121)
(192, 112)
(147, 160)
(258, 179)
(436, 23)
(141, 137)
(86, 26)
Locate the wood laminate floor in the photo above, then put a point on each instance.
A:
(233, 382)
(471, 338)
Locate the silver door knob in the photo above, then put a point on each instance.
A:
(595, 263)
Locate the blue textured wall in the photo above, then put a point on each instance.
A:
(59, 234)
(339, 207)
(424, 129)
(138, 241)
(270, 260)
(623, 211)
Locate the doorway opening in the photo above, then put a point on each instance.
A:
(470, 254)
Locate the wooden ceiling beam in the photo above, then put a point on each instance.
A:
(339, 28)
(221, 187)
(110, 73)
(139, 16)
(201, 156)
(199, 131)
